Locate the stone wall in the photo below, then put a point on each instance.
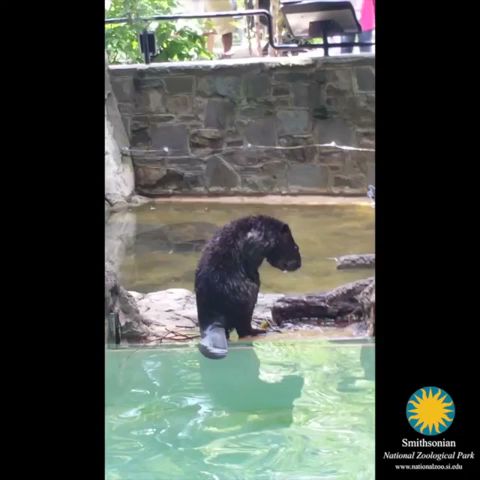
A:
(250, 126)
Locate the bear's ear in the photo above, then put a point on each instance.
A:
(285, 228)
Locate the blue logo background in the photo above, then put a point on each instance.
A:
(431, 414)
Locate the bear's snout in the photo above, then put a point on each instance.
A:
(292, 265)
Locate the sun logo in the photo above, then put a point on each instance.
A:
(430, 411)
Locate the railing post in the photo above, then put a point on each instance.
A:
(144, 41)
(325, 41)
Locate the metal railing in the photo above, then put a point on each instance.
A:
(326, 45)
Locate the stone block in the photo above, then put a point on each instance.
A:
(220, 174)
(280, 90)
(123, 88)
(219, 114)
(255, 111)
(205, 86)
(339, 79)
(328, 156)
(371, 173)
(301, 94)
(143, 81)
(148, 176)
(268, 177)
(172, 139)
(262, 132)
(307, 178)
(293, 122)
(187, 164)
(149, 101)
(365, 79)
(357, 181)
(140, 137)
(179, 85)
(228, 86)
(366, 138)
(299, 75)
(256, 87)
(334, 130)
(206, 138)
(179, 104)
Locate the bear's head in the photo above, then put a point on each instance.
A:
(285, 254)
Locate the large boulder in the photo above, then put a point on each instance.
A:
(119, 176)
(120, 304)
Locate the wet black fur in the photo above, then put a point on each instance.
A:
(227, 280)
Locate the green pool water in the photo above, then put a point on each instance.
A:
(300, 410)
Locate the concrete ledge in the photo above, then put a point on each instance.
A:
(270, 200)
(266, 62)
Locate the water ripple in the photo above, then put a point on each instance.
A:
(171, 415)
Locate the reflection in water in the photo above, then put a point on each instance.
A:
(171, 414)
(367, 362)
(180, 237)
(119, 236)
(234, 385)
(367, 359)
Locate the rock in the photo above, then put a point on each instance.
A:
(343, 305)
(371, 322)
(209, 133)
(119, 206)
(148, 176)
(111, 282)
(171, 315)
(210, 138)
(366, 260)
(118, 302)
(137, 200)
(175, 309)
(119, 178)
(263, 308)
(119, 181)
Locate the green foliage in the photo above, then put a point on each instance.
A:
(174, 40)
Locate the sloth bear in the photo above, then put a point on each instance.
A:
(227, 280)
